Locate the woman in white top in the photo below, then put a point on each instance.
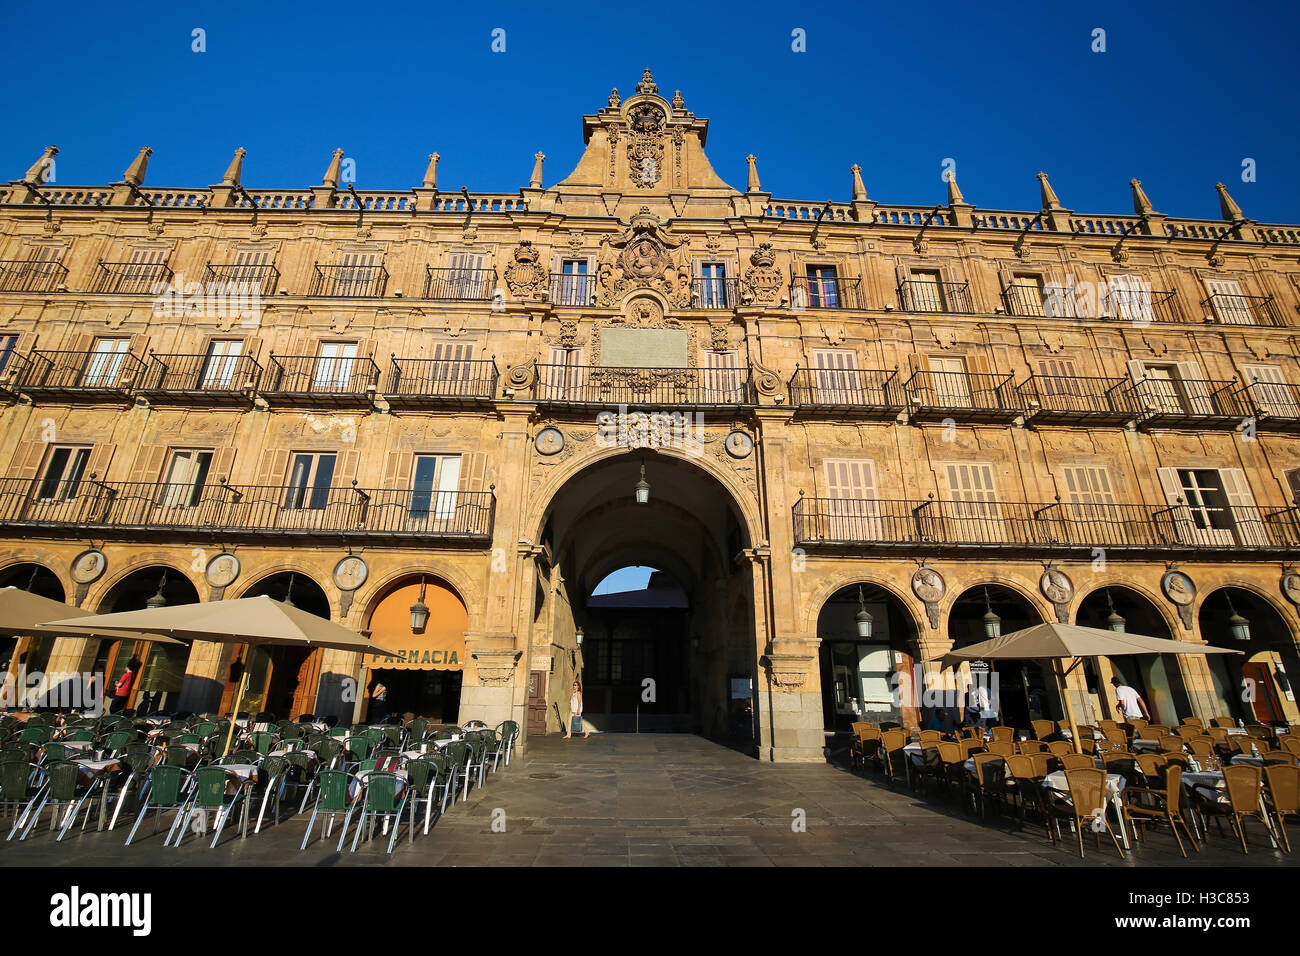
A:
(575, 715)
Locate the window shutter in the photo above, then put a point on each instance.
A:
(397, 472)
(274, 467)
(149, 462)
(1245, 515)
(1181, 527)
(347, 468)
(27, 458)
(853, 512)
(473, 472)
(1196, 388)
(1293, 484)
(223, 462)
(100, 458)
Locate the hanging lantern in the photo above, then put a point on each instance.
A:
(992, 623)
(1237, 625)
(578, 636)
(1113, 620)
(419, 611)
(158, 600)
(642, 488)
(863, 617)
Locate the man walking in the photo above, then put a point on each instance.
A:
(1129, 702)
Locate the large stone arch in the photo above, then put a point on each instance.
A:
(1163, 609)
(138, 562)
(369, 595)
(832, 585)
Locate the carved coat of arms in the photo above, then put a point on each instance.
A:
(763, 278)
(645, 256)
(525, 275)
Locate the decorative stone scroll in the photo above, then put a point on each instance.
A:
(495, 668)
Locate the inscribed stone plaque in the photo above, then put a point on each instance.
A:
(643, 348)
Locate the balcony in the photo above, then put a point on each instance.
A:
(1023, 299)
(26, 275)
(261, 279)
(569, 289)
(1275, 406)
(934, 297)
(1190, 403)
(219, 508)
(642, 387)
(130, 278)
(79, 375)
(1141, 307)
(459, 285)
(415, 382)
(713, 293)
(366, 282)
(1074, 400)
(1229, 309)
(825, 293)
(317, 379)
(867, 393)
(200, 379)
(963, 396)
(931, 525)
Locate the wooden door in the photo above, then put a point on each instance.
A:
(536, 703)
(1266, 706)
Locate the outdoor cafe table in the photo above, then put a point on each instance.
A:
(916, 753)
(90, 770)
(1209, 784)
(1056, 780)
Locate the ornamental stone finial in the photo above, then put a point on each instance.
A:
(1228, 206)
(955, 198)
(1141, 204)
(431, 174)
(535, 180)
(647, 84)
(859, 190)
(36, 175)
(331, 178)
(614, 98)
(1050, 199)
(135, 172)
(678, 102)
(235, 169)
(752, 185)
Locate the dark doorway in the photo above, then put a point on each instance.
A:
(432, 694)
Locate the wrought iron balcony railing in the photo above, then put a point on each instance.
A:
(28, 275)
(69, 373)
(1231, 309)
(365, 281)
(193, 375)
(320, 375)
(570, 289)
(1274, 405)
(645, 387)
(262, 278)
(970, 396)
(1171, 403)
(848, 389)
(825, 293)
(709, 292)
(253, 510)
(466, 285)
(932, 524)
(416, 380)
(131, 278)
(1140, 306)
(1076, 399)
(1023, 299)
(916, 296)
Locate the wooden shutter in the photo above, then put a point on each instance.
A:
(1293, 484)
(26, 460)
(1229, 304)
(974, 508)
(346, 468)
(1269, 389)
(1245, 515)
(100, 459)
(853, 511)
(274, 467)
(1197, 390)
(223, 462)
(149, 463)
(473, 472)
(1088, 484)
(397, 470)
(1181, 527)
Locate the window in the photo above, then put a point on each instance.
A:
(974, 502)
(145, 268)
(1218, 508)
(1269, 389)
(575, 287)
(1025, 294)
(836, 376)
(7, 345)
(565, 375)
(434, 491)
(334, 364)
(452, 371)
(1129, 298)
(309, 481)
(1230, 306)
(63, 474)
(853, 512)
(1162, 389)
(105, 362)
(713, 286)
(927, 292)
(722, 383)
(1088, 490)
(951, 389)
(823, 287)
(357, 274)
(220, 362)
(1293, 484)
(1059, 378)
(184, 479)
(467, 278)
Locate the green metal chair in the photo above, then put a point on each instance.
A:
(440, 781)
(271, 781)
(334, 798)
(20, 783)
(85, 735)
(327, 750)
(63, 790)
(262, 741)
(474, 764)
(204, 728)
(417, 728)
(491, 751)
(38, 734)
(443, 734)
(116, 740)
(209, 793)
(458, 756)
(165, 789)
(508, 731)
(357, 749)
(300, 773)
(136, 766)
(380, 802)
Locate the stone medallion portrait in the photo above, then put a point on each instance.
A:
(350, 573)
(1056, 586)
(1291, 587)
(929, 585)
(222, 570)
(1178, 587)
(549, 441)
(88, 566)
(739, 444)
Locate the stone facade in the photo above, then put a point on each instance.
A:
(875, 387)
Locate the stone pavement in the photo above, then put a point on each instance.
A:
(659, 800)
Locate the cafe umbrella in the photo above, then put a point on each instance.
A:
(251, 622)
(1058, 642)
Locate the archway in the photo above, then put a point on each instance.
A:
(867, 676)
(281, 680)
(703, 664)
(39, 580)
(1157, 677)
(424, 676)
(1023, 691)
(1258, 684)
(161, 676)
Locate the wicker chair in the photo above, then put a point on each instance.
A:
(1280, 757)
(989, 782)
(1032, 747)
(1003, 734)
(894, 761)
(1060, 747)
(1084, 804)
(865, 746)
(1073, 761)
(1151, 804)
(1242, 782)
(1043, 729)
(1024, 782)
(1283, 796)
(1290, 743)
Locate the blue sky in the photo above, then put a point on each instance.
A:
(624, 579)
(1184, 92)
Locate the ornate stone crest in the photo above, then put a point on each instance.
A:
(645, 146)
(645, 256)
(525, 276)
(763, 279)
